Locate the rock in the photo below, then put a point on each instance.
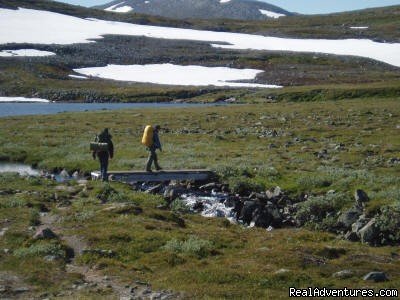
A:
(360, 223)
(155, 189)
(246, 215)
(361, 197)
(19, 290)
(369, 232)
(75, 175)
(172, 192)
(262, 217)
(50, 258)
(281, 271)
(331, 252)
(198, 206)
(269, 194)
(44, 233)
(349, 217)
(344, 274)
(3, 231)
(393, 161)
(352, 236)
(100, 252)
(64, 174)
(209, 186)
(376, 276)
(277, 191)
(124, 209)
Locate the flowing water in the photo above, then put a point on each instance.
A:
(21, 169)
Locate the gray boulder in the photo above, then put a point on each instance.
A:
(246, 215)
(369, 232)
(376, 276)
(361, 197)
(349, 217)
(172, 192)
(64, 174)
(359, 224)
(44, 233)
(344, 274)
(262, 217)
(352, 236)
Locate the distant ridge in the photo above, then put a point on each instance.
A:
(199, 9)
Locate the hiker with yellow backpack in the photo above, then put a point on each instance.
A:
(152, 142)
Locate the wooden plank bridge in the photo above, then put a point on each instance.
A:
(157, 176)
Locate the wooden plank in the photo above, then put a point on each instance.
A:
(157, 176)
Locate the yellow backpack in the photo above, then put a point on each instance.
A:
(147, 138)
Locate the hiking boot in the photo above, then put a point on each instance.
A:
(159, 169)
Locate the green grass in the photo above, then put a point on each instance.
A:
(208, 258)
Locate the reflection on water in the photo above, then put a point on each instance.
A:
(21, 169)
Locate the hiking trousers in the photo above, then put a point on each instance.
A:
(103, 158)
(152, 158)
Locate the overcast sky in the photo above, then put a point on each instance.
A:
(300, 6)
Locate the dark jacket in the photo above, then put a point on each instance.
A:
(156, 141)
(105, 137)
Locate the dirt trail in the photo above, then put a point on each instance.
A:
(94, 280)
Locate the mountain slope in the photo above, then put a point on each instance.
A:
(199, 9)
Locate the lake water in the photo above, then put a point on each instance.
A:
(21, 109)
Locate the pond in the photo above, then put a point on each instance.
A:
(21, 109)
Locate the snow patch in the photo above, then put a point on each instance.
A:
(271, 14)
(170, 74)
(25, 52)
(22, 99)
(119, 9)
(224, 1)
(359, 27)
(43, 27)
(111, 8)
(123, 9)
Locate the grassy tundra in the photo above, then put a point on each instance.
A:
(308, 148)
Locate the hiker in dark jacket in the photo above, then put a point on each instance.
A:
(152, 149)
(104, 137)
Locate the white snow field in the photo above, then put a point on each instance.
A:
(22, 99)
(25, 52)
(271, 14)
(43, 27)
(359, 27)
(176, 75)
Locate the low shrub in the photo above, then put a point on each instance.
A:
(388, 223)
(192, 246)
(108, 194)
(319, 212)
(42, 249)
(245, 186)
(179, 206)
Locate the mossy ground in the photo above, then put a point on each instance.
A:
(271, 144)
